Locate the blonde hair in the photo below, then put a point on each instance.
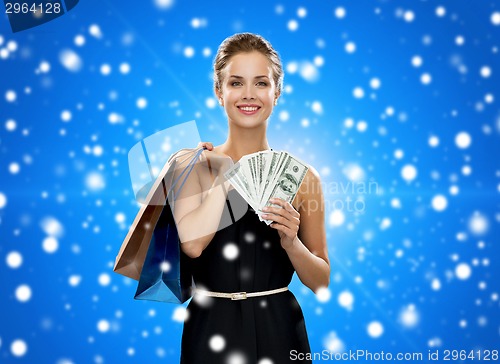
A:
(245, 43)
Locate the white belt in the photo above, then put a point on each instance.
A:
(239, 295)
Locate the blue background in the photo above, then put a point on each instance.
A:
(402, 264)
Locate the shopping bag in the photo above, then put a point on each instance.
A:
(166, 275)
(130, 258)
(148, 167)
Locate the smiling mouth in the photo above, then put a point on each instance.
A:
(249, 108)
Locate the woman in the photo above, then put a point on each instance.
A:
(247, 256)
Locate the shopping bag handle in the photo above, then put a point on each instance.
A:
(190, 166)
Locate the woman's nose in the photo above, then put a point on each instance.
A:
(248, 92)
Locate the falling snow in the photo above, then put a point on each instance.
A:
(404, 97)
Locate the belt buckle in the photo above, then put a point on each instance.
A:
(238, 296)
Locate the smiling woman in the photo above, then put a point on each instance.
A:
(242, 310)
(248, 89)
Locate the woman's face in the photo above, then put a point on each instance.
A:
(248, 89)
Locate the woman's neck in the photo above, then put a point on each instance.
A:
(243, 141)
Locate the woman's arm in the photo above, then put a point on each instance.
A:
(198, 213)
(306, 247)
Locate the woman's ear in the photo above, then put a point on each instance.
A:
(276, 97)
(218, 94)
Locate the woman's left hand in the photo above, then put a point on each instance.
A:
(286, 220)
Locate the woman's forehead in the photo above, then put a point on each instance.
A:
(248, 64)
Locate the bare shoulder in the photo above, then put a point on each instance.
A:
(310, 188)
(312, 215)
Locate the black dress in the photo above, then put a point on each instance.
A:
(256, 328)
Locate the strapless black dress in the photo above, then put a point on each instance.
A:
(244, 256)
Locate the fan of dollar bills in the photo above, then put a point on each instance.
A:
(268, 174)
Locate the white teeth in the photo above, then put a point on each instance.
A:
(249, 108)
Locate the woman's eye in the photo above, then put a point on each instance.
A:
(237, 83)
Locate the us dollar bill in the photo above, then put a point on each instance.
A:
(287, 183)
(263, 175)
(240, 184)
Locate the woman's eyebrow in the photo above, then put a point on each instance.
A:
(236, 76)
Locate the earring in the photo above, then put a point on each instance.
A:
(275, 102)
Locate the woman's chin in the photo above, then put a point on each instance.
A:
(249, 123)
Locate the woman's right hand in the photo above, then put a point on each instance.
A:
(218, 162)
(206, 145)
